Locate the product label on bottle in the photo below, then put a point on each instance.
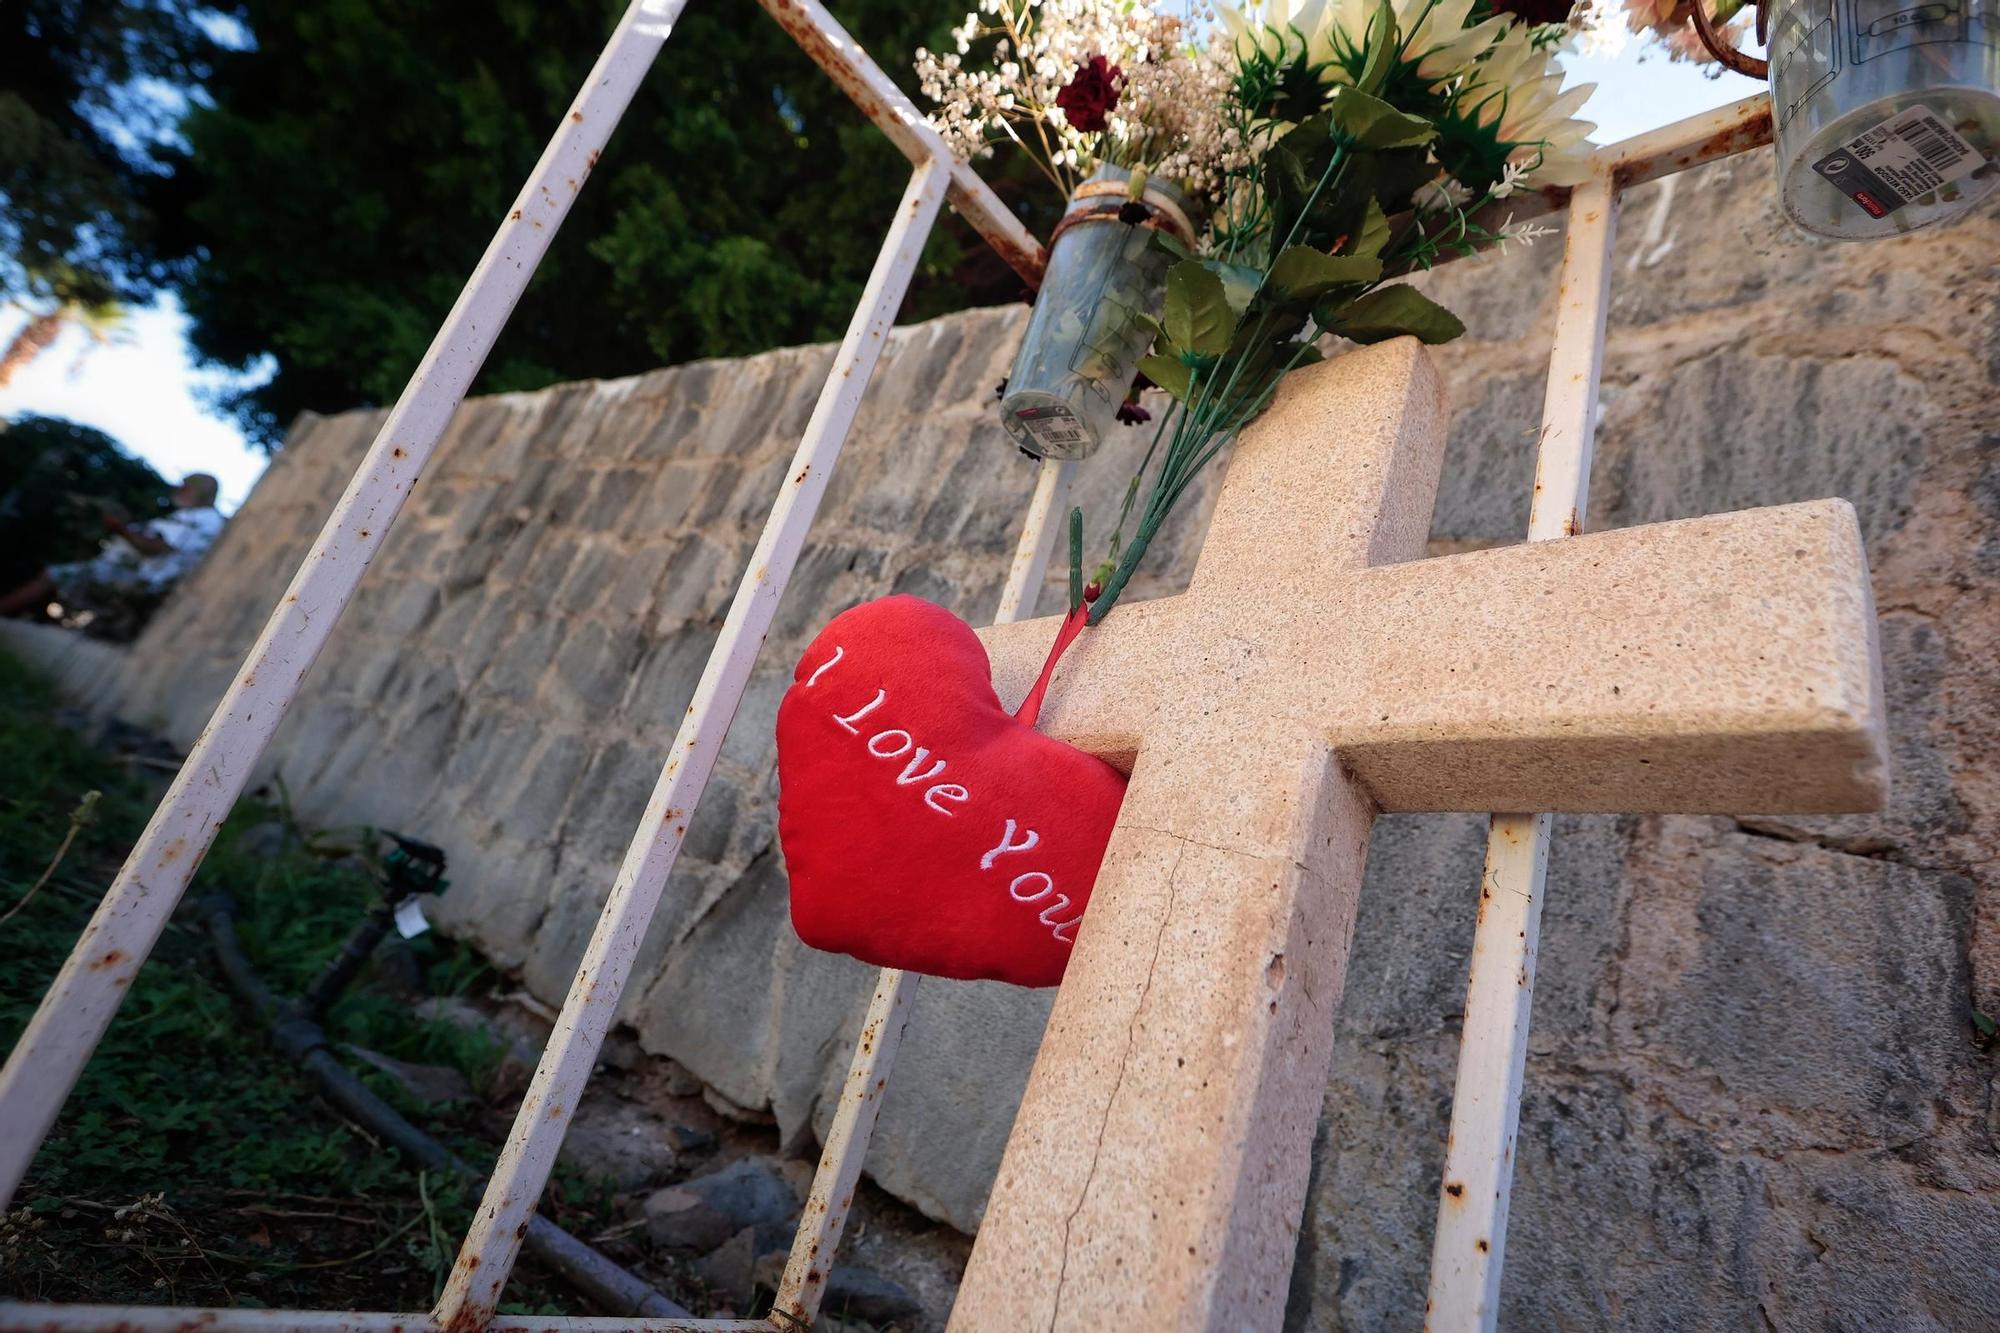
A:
(1055, 429)
(1904, 158)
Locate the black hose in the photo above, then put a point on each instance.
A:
(300, 1037)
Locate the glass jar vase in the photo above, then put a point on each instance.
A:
(1080, 352)
(1887, 111)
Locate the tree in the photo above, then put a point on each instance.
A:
(345, 172)
(56, 477)
(89, 93)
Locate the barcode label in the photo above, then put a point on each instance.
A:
(1934, 144)
(1902, 159)
(1055, 429)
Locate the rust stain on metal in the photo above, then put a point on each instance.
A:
(1484, 1247)
(515, 216)
(172, 851)
(1748, 133)
(590, 163)
(1572, 525)
(803, 473)
(1454, 1188)
(576, 116)
(397, 452)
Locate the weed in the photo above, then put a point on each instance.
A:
(193, 1165)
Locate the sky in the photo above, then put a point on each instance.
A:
(145, 389)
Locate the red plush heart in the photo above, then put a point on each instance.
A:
(923, 826)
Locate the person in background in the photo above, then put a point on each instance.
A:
(138, 564)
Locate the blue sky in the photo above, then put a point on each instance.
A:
(144, 389)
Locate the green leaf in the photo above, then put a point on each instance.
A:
(1169, 372)
(1302, 273)
(1373, 123)
(1239, 282)
(1374, 233)
(1173, 245)
(1199, 317)
(1986, 1025)
(1384, 47)
(1391, 312)
(1292, 167)
(1075, 557)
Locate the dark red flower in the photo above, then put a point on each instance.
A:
(1535, 11)
(1129, 411)
(1091, 94)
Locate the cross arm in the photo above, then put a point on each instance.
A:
(1101, 700)
(1725, 664)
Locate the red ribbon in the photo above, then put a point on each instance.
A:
(1072, 625)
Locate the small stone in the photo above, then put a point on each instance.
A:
(729, 1270)
(798, 1173)
(689, 1140)
(619, 1141)
(769, 1271)
(856, 1294)
(621, 1052)
(748, 1193)
(860, 1294)
(722, 1106)
(681, 1221)
(677, 1081)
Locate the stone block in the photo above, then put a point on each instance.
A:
(1856, 427)
(1798, 997)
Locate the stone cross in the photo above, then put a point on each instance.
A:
(1318, 672)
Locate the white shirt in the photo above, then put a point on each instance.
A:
(189, 531)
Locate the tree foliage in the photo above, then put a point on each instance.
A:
(88, 100)
(345, 172)
(56, 477)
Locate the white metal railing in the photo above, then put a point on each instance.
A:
(45, 1063)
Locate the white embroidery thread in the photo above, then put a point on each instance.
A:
(898, 752)
(946, 791)
(847, 723)
(911, 777)
(1007, 844)
(839, 652)
(1048, 883)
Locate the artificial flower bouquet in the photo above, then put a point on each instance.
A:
(1324, 152)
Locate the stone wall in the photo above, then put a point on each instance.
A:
(1754, 1096)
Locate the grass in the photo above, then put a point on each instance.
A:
(193, 1165)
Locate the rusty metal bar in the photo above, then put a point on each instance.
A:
(491, 1247)
(1708, 137)
(881, 1036)
(171, 1319)
(1469, 1247)
(44, 1064)
(820, 36)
